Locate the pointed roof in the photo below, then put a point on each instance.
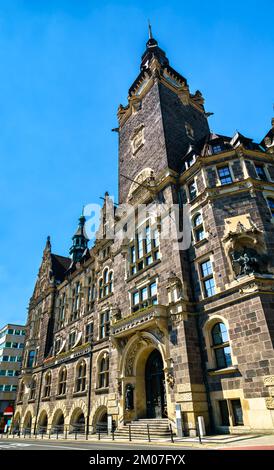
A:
(79, 241)
(52, 269)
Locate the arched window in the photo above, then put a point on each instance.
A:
(75, 302)
(220, 345)
(106, 284)
(198, 227)
(103, 374)
(270, 202)
(21, 391)
(62, 383)
(47, 385)
(33, 385)
(81, 372)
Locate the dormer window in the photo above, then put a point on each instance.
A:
(217, 148)
(261, 173)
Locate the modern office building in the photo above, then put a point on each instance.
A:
(12, 338)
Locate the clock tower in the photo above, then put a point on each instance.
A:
(159, 123)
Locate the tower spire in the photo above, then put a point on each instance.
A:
(150, 36)
(79, 240)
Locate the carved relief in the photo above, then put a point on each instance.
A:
(137, 140)
(245, 246)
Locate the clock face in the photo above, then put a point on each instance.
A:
(172, 80)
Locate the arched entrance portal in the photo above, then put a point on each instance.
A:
(155, 386)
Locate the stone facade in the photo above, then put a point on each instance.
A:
(134, 326)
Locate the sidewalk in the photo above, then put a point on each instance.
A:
(217, 442)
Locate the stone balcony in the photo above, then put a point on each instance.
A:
(150, 317)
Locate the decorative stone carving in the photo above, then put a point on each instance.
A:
(129, 401)
(269, 381)
(244, 263)
(270, 403)
(170, 379)
(137, 140)
(245, 246)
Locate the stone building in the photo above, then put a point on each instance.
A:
(135, 325)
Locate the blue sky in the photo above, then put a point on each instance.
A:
(66, 66)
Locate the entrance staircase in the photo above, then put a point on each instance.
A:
(142, 429)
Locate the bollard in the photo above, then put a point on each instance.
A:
(129, 432)
(198, 432)
(171, 433)
(66, 433)
(148, 433)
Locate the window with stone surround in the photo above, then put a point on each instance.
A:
(33, 386)
(61, 311)
(91, 291)
(106, 284)
(62, 381)
(270, 202)
(71, 340)
(103, 372)
(198, 227)
(57, 345)
(207, 279)
(89, 333)
(81, 372)
(192, 190)
(225, 176)
(75, 302)
(144, 249)
(21, 391)
(230, 412)
(104, 324)
(221, 346)
(261, 172)
(217, 148)
(31, 358)
(47, 385)
(144, 297)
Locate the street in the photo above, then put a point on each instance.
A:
(32, 444)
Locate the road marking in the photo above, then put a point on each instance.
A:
(52, 446)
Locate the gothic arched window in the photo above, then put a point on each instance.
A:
(33, 385)
(81, 371)
(106, 284)
(103, 373)
(47, 385)
(62, 382)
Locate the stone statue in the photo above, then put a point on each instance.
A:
(245, 263)
(129, 397)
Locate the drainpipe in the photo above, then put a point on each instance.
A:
(89, 392)
(39, 399)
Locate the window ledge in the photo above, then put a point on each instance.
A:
(200, 242)
(61, 397)
(133, 276)
(101, 390)
(226, 370)
(80, 394)
(45, 398)
(31, 400)
(105, 298)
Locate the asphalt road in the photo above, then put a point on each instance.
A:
(30, 444)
